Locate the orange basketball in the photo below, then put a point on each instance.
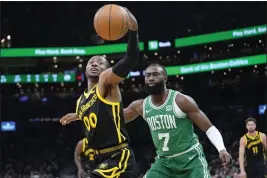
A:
(111, 22)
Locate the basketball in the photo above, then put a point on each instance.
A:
(111, 22)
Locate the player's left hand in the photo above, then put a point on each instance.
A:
(225, 157)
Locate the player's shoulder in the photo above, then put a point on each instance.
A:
(262, 134)
(80, 143)
(181, 98)
(243, 138)
(243, 141)
(138, 102)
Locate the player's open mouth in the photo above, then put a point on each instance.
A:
(94, 70)
(151, 84)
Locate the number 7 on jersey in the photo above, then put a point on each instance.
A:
(166, 137)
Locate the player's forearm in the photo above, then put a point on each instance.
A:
(133, 46)
(216, 138)
(129, 115)
(129, 119)
(125, 65)
(241, 162)
(78, 162)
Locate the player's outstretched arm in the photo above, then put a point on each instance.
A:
(242, 145)
(77, 159)
(189, 106)
(133, 110)
(120, 70)
(68, 118)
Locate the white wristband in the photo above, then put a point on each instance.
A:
(216, 138)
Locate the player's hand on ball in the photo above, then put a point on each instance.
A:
(225, 157)
(133, 25)
(68, 118)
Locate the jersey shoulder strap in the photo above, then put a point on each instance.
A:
(77, 104)
(245, 139)
(145, 107)
(177, 111)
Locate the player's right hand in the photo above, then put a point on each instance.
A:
(242, 174)
(81, 173)
(68, 118)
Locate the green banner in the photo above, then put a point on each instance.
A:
(221, 36)
(66, 51)
(217, 65)
(38, 78)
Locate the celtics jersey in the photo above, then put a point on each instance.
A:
(171, 129)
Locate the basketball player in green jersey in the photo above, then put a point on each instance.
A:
(101, 112)
(170, 116)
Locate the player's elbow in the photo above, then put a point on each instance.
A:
(127, 120)
(127, 114)
(125, 65)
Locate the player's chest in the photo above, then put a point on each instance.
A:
(87, 105)
(254, 143)
(162, 121)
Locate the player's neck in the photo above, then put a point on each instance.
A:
(160, 98)
(91, 84)
(252, 133)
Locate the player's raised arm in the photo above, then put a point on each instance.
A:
(242, 146)
(133, 110)
(189, 106)
(120, 70)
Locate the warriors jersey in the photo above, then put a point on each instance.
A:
(103, 120)
(87, 152)
(254, 150)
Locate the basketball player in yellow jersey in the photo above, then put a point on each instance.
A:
(252, 150)
(100, 109)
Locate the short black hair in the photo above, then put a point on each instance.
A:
(158, 65)
(250, 119)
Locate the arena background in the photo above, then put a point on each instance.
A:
(45, 47)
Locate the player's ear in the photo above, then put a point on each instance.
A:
(166, 79)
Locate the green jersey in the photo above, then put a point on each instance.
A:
(171, 129)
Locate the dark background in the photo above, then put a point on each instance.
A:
(43, 147)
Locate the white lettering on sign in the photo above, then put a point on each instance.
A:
(165, 44)
(65, 51)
